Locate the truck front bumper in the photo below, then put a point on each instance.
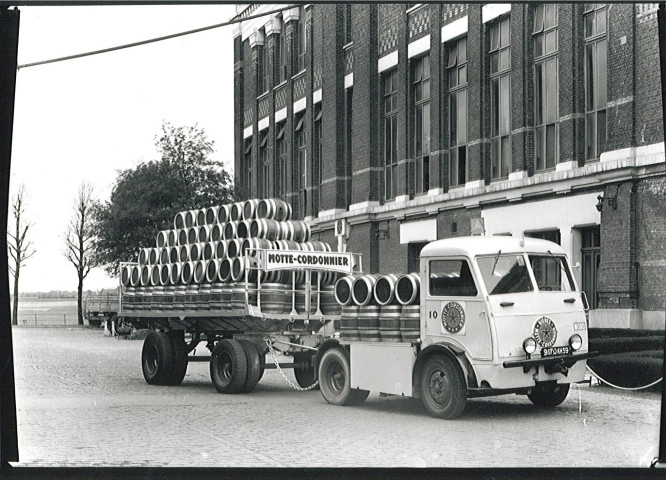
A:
(554, 364)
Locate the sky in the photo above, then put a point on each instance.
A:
(86, 119)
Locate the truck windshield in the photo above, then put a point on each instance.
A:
(505, 273)
(551, 273)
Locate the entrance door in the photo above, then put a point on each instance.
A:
(591, 253)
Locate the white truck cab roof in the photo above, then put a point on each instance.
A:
(488, 245)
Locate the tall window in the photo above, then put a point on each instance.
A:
(265, 71)
(302, 41)
(390, 111)
(545, 40)
(457, 73)
(347, 24)
(500, 99)
(281, 53)
(301, 162)
(263, 161)
(421, 112)
(280, 174)
(595, 80)
(317, 150)
(247, 167)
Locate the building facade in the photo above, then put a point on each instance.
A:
(414, 122)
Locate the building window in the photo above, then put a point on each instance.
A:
(347, 24)
(280, 173)
(545, 43)
(263, 161)
(595, 80)
(281, 53)
(265, 70)
(349, 111)
(390, 111)
(247, 168)
(591, 253)
(457, 75)
(302, 41)
(500, 98)
(317, 150)
(301, 162)
(421, 122)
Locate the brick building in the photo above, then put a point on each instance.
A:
(410, 122)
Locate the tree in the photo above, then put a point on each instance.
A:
(79, 238)
(145, 199)
(19, 247)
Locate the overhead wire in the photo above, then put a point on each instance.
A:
(153, 40)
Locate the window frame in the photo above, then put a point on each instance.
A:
(265, 164)
(456, 145)
(594, 40)
(247, 165)
(421, 121)
(302, 41)
(500, 164)
(301, 158)
(390, 118)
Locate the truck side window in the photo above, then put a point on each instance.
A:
(451, 278)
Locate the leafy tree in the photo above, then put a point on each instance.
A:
(145, 199)
(20, 248)
(79, 238)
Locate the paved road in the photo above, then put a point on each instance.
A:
(82, 400)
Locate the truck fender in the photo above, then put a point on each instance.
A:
(327, 345)
(451, 351)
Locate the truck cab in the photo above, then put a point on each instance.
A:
(497, 315)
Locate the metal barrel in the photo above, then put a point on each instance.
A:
(128, 298)
(211, 215)
(299, 301)
(410, 323)
(125, 275)
(179, 220)
(204, 232)
(182, 236)
(190, 218)
(243, 229)
(143, 256)
(187, 273)
(234, 247)
(172, 238)
(157, 298)
(191, 294)
(389, 323)
(223, 214)
(328, 303)
(179, 297)
(139, 298)
(216, 296)
(201, 216)
(212, 270)
(343, 290)
(275, 298)
(217, 232)
(368, 323)
(384, 289)
(236, 212)
(221, 249)
(226, 296)
(224, 271)
(184, 253)
(196, 251)
(203, 298)
(162, 238)
(408, 288)
(167, 297)
(173, 255)
(230, 229)
(209, 251)
(250, 209)
(362, 289)
(349, 322)
(174, 273)
(193, 235)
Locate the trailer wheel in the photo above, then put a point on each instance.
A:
(443, 389)
(157, 358)
(335, 381)
(179, 358)
(548, 395)
(254, 369)
(228, 366)
(305, 377)
(262, 362)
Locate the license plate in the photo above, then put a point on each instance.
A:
(578, 326)
(550, 351)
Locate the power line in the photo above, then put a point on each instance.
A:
(153, 40)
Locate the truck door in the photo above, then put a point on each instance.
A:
(454, 307)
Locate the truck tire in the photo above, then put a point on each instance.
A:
(335, 381)
(548, 395)
(443, 388)
(157, 358)
(228, 366)
(179, 348)
(305, 377)
(254, 369)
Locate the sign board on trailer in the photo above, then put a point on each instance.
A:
(297, 259)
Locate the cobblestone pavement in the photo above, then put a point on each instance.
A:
(82, 400)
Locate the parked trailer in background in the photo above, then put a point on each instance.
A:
(101, 308)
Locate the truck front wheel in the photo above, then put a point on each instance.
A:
(228, 366)
(157, 358)
(443, 389)
(548, 395)
(335, 380)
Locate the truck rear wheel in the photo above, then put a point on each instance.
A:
(253, 366)
(305, 377)
(228, 366)
(179, 348)
(157, 358)
(443, 388)
(335, 380)
(549, 394)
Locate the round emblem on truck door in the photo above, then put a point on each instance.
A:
(453, 317)
(545, 332)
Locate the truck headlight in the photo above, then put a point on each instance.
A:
(529, 345)
(575, 342)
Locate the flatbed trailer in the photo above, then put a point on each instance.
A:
(239, 323)
(100, 308)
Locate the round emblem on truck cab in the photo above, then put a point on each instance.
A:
(545, 332)
(453, 317)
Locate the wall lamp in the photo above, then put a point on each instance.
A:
(383, 234)
(610, 201)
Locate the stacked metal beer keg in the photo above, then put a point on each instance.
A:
(379, 308)
(201, 263)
